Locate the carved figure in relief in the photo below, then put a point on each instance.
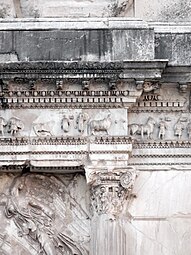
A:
(81, 122)
(178, 128)
(30, 204)
(103, 125)
(162, 129)
(43, 129)
(15, 125)
(65, 124)
(141, 129)
(3, 123)
(189, 129)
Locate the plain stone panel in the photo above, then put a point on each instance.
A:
(6, 42)
(161, 194)
(170, 236)
(136, 44)
(158, 237)
(162, 10)
(63, 45)
(175, 47)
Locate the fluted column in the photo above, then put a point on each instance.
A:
(109, 192)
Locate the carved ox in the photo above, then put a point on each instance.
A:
(97, 126)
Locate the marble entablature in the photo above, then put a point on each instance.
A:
(91, 150)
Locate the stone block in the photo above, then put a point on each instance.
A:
(6, 42)
(63, 45)
(134, 44)
(173, 46)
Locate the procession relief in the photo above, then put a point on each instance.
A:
(160, 127)
(99, 123)
(64, 123)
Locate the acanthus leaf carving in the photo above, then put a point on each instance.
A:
(110, 190)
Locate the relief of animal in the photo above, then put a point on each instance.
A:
(140, 129)
(103, 125)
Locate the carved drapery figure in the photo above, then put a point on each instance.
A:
(81, 122)
(37, 206)
(178, 128)
(65, 125)
(162, 129)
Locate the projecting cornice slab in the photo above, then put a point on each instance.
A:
(127, 69)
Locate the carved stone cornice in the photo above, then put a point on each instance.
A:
(67, 99)
(60, 70)
(151, 69)
(110, 190)
(61, 154)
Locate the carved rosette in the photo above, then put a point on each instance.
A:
(109, 191)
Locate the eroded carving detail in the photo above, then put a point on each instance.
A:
(65, 124)
(178, 128)
(43, 129)
(189, 129)
(37, 204)
(146, 129)
(110, 190)
(162, 129)
(103, 125)
(14, 126)
(82, 122)
(3, 123)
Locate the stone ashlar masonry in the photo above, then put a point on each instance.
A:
(95, 137)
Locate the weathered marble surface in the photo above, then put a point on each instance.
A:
(78, 40)
(44, 214)
(162, 10)
(161, 194)
(147, 10)
(157, 221)
(63, 8)
(90, 39)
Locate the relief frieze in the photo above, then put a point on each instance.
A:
(36, 215)
(65, 122)
(158, 127)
